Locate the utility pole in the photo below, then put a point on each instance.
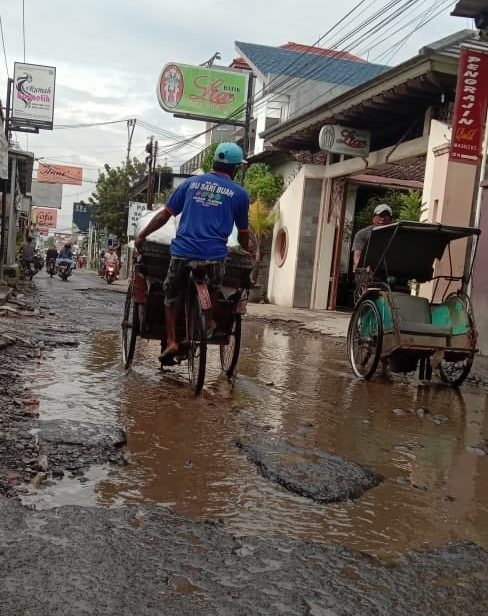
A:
(131, 124)
(152, 150)
(3, 247)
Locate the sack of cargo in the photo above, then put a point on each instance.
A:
(164, 235)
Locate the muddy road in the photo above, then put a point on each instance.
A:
(297, 490)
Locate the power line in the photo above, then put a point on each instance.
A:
(298, 111)
(4, 52)
(23, 24)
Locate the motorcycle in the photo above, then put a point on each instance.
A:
(38, 262)
(28, 269)
(51, 267)
(64, 270)
(110, 274)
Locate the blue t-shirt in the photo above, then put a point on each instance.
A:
(209, 205)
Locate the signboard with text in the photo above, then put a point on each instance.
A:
(136, 210)
(59, 174)
(344, 140)
(470, 107)
(33, 95)
(203, 93)
(46, 195)
(44, 218)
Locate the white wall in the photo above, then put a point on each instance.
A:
(281, 280)
(440, 134)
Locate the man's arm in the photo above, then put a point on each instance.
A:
(358, 245)
(243, 238)
(356, 255)
(156, 223)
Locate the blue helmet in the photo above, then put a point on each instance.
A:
(229, 153)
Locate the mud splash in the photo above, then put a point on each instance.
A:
(427, 441)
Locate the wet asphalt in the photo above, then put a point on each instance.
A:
(297, 489)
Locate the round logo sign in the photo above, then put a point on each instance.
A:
(327, 137)
(171, 86)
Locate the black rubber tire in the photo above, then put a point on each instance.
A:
(229, 353)
(375, 355)
(455, 380)
(130, 329)
(197, 342)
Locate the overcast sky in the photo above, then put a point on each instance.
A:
(109, 54)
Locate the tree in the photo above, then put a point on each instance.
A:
(207, 162)
(405, 206)
(264, 189)
(262, 184)
(411, 205)
(110, 200)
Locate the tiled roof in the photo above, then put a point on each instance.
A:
(320, 51)
(278, 61)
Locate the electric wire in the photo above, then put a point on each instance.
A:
(3, 45)
(310, 103)
(23, 25)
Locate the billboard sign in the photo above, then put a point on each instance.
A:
(470, 107)
(44, 218)
(203, 93)
(345, 140)
(46, 195)
(33, 95)
(59, 174)
(136, 210)
(82, 216)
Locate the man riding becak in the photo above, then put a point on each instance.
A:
(209, 205)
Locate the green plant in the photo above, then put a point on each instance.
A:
(405, 206)
(207, 162)
(411, 205)
(264, 189)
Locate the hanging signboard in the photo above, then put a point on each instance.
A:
(344, 140)
(44, 218)
(470, 107)
(46, 195)
(201, 93)
(136, 210)
(59, 174)
(33, 95)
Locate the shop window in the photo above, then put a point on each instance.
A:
(281, 246)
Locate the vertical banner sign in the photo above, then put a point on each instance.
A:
(33, 95)
(470, 107)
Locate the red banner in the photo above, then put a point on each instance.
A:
(470, 107)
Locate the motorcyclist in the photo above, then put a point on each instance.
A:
(112, 259)
(66, 254)
(51, 255)
(27, 251)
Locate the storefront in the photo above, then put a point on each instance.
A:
(407, 112)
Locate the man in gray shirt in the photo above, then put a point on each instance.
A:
(27, 250)
(382, 215)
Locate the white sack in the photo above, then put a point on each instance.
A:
(164, 235)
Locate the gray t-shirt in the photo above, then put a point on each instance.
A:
(28, 251)
(361, 238)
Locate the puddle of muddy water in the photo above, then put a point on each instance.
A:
(182, 452)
